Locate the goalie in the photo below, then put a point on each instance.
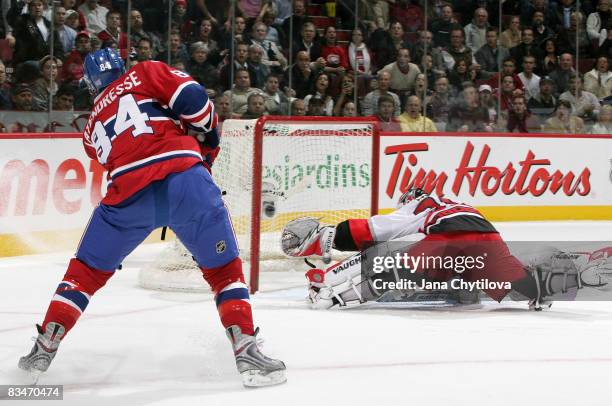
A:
(451, 230)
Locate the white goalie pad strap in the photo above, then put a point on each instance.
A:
(347, 294)
(339, 284)
(343, 280)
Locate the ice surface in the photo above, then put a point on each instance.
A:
(139, 347)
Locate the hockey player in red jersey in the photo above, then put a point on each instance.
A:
(450, 229)
(158, 176)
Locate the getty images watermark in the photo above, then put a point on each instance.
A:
(486, 263)
(401, 268)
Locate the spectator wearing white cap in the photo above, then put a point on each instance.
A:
(72, 19)
(488, 102)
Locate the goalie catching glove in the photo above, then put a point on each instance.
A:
(305, 236)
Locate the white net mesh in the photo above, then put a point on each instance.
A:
(320, 168)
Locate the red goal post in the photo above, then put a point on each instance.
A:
(304, 142)
(272, 170)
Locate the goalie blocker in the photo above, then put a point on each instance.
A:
(446, 224)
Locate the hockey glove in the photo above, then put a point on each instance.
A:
(209, 155)
(304, 237)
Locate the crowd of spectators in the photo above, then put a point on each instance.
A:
(416, 65)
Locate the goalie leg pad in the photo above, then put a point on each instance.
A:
(554, 276)
(73, 294)
(499, 266)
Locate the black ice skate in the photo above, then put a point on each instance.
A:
(256, 369)
(44, 350)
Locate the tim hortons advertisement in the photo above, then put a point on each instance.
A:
(503, 171)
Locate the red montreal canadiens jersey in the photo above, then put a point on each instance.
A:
(428, 215)
(137, 127)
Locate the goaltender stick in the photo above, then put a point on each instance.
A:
(450, 229)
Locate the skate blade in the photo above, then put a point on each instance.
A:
(28, 376)
(257, 379)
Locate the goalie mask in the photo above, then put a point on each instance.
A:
(410, 195)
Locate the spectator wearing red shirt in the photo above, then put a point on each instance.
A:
(182, 21)
(336, 59)
(73, 66)
(508, 93)
(410, 15)
(508, 68)
(113, 33)
(384, 114)
(519, 118)
(358, 53)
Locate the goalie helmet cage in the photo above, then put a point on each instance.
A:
(272, 170)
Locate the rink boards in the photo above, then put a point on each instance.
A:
(48, 187)
(509, 177)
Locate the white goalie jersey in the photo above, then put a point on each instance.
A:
(428, 215)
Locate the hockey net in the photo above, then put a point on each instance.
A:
(271, 171)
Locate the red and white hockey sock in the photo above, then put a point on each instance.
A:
(231, 295)
(73, 294)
